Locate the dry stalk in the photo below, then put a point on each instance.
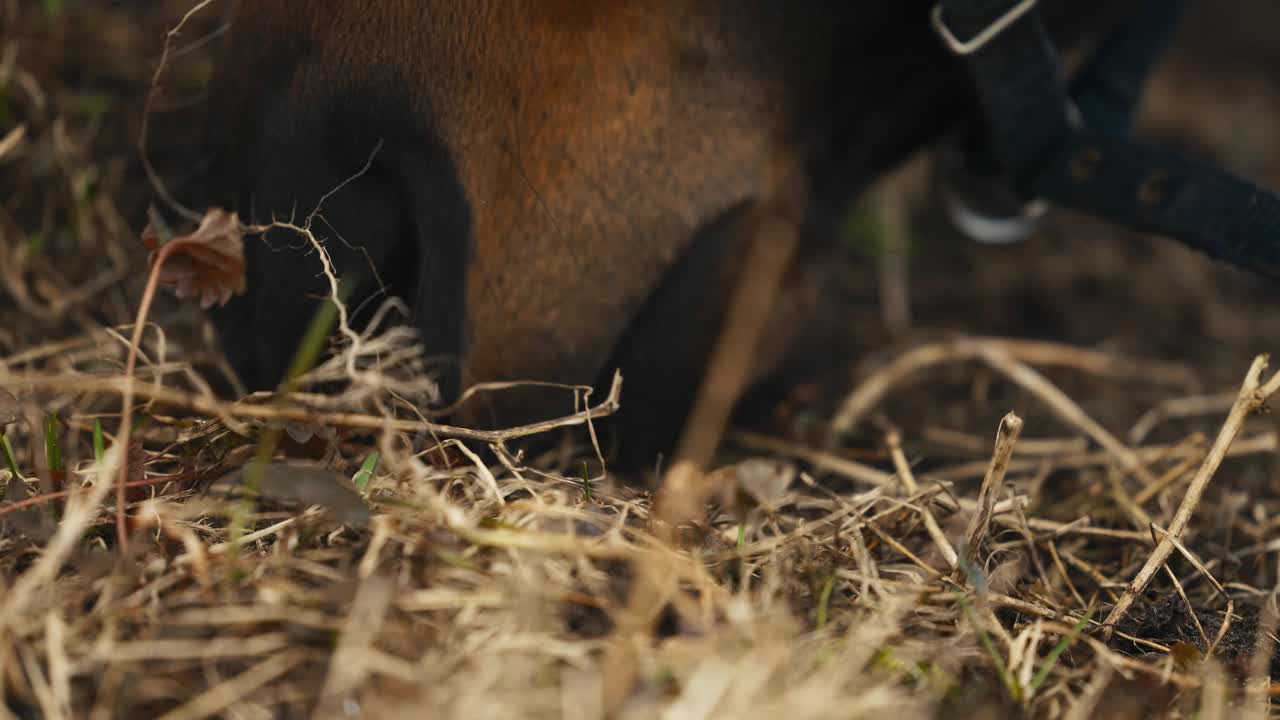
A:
(348, 666)
(1170, 476)
(1006, 438)
(1191, 609)
(685, 488)
(1257, 700)
(1062, 572)
(1176, 408)
(1261, 443)
(224, 695)
(1065, 408)
(1123, 662)
(1253, 394)
(127, 395)
(96, 385)
(821, 460)
(894, 441)
(894, 197)
(869, 394)
(1087, 703)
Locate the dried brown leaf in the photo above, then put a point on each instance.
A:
(207, 263)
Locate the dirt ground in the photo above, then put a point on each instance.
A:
(369, 578)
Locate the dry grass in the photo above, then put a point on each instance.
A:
(1107, 547)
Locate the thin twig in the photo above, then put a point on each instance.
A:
(126, 413)
(894, 441)
(223, 695)
(1253, 394)
(873, 389)
(1066, 409)
(144, 133)
(1257, 705)
(97, 385)
(1179, 408)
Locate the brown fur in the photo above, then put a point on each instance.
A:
(595, 143)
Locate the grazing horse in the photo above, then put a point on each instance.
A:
(559, 187)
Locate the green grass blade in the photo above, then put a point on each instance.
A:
(8, 456)
(1002, 671)
(366, 471)
(99, 445)
(313, 342)
(52, 450)
(1063, 643)
(824, 600)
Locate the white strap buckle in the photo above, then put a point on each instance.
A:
(982, 39)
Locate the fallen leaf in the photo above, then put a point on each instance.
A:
(304, 440)
(207, 264)
(309, 485)
(765, 482)
(752, 485)
(1186, 656)
(299, 431)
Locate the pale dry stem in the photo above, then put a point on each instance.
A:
(1253, 394)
